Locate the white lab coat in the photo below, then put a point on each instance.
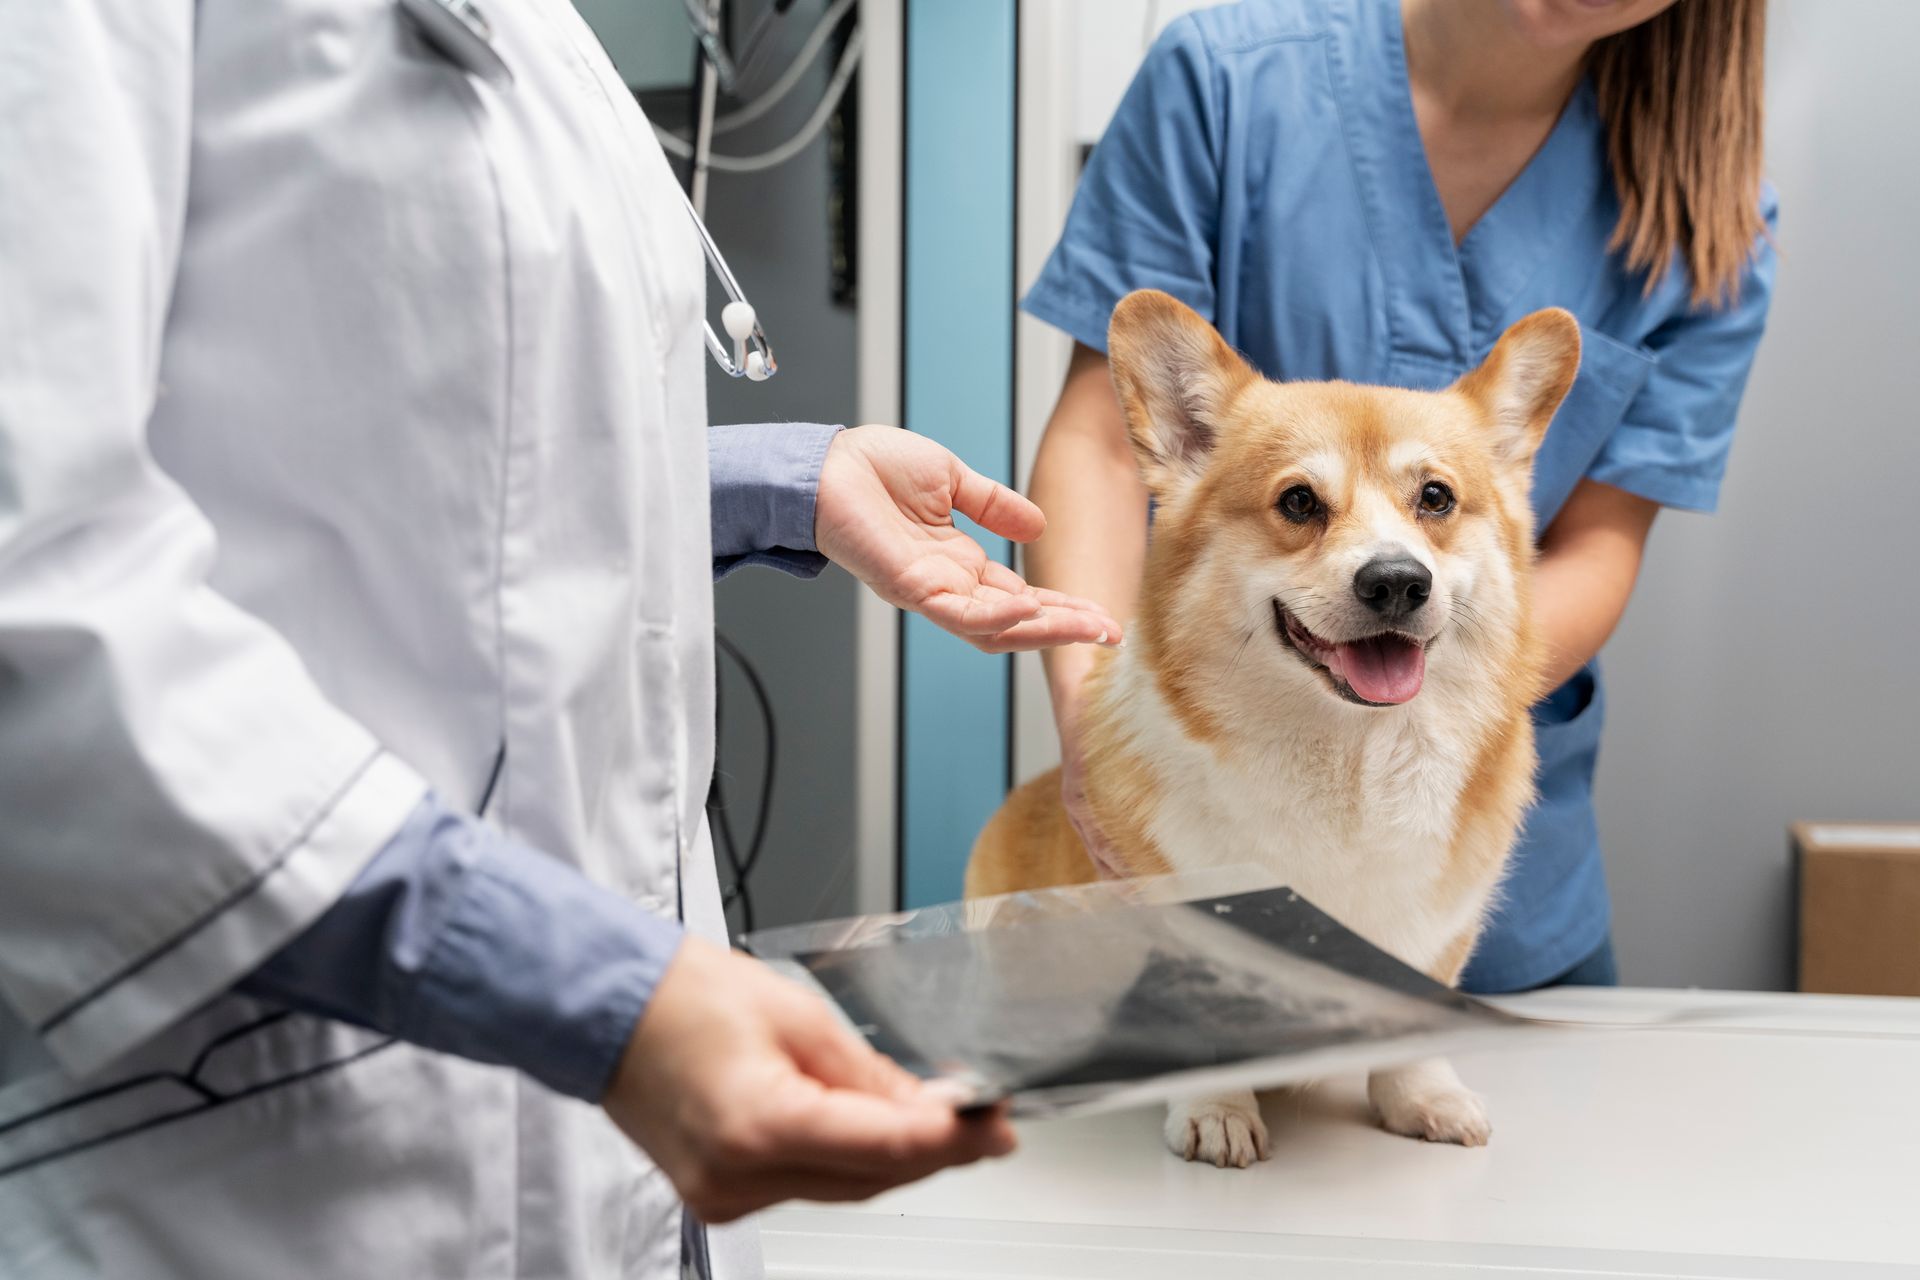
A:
(351, 430)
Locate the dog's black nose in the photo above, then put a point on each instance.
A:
(1393, 588)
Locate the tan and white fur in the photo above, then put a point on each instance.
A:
(1232, 727)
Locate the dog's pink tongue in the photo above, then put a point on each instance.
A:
(1384, 669)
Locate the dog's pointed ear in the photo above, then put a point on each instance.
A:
(1175, 376)
(1524, 378)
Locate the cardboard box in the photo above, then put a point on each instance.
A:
(1859, 907)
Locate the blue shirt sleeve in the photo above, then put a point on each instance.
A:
(764, 480)
(458, 938)
(1147, 211)
(1672, 444)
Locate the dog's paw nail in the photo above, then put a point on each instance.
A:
(1225, 1133)
(1459, 1118)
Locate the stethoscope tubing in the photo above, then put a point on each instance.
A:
(756, 336)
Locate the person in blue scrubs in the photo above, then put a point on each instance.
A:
(1373, 190)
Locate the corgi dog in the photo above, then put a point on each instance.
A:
(1332, 668)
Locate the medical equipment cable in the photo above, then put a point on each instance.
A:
(719, 824)
(779, 155)
(719, 807)
(719, 817)
(708, 73)
(748, 55)
(709, 33)
(816, 40)
(705, 18)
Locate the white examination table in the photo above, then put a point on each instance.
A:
(1784, 1143)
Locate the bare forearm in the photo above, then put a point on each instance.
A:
(1095, 544)
(1086, 481)
(1589, 561)
(1575, 610)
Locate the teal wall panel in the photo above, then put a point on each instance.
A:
(958, 389)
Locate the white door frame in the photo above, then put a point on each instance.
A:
(1048, 164)
(876, 624)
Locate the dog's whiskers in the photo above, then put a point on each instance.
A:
(1247, 639)
(1469, 614)
(1306, 605)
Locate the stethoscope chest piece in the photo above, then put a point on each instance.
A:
(458, 29)
(751, 357)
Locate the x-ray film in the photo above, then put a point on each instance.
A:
(1108, 995)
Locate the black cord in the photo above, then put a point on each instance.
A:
(718, 810)
(765, 701)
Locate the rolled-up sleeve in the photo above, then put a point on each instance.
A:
(765, 480)
(180, 798)
(1673, 443)
(458, 938)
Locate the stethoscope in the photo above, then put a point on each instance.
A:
(738, 317)
(462, 32)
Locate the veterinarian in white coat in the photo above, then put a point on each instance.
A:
(353, 462)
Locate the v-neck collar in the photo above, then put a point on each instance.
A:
(1449, 302)
(1533, 216)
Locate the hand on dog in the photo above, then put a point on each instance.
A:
(885, 514)
(747, 1091)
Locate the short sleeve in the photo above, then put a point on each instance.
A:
(1672, 444)
(1146, 215)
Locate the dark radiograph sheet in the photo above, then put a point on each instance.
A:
(1106, 995)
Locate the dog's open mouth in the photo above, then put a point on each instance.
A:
(1379, 671)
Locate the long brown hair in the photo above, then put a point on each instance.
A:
(1680, 94)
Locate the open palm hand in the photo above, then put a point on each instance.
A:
(885, 514)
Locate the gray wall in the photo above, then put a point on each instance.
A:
(772, 227)
(1769, 667)
(651, 41)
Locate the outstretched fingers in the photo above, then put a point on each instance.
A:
(980, 612)
(996, 508)
(1105, 628)
(1054, 627)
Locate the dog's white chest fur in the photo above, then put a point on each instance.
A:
(1356, 811)
(1387, 534)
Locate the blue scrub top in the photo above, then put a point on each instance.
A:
(1266, 168)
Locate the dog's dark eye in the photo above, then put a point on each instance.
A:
(1436, 499)
(1299, 504)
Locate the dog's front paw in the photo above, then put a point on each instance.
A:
(1427, 1100)
(1224, 1130)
